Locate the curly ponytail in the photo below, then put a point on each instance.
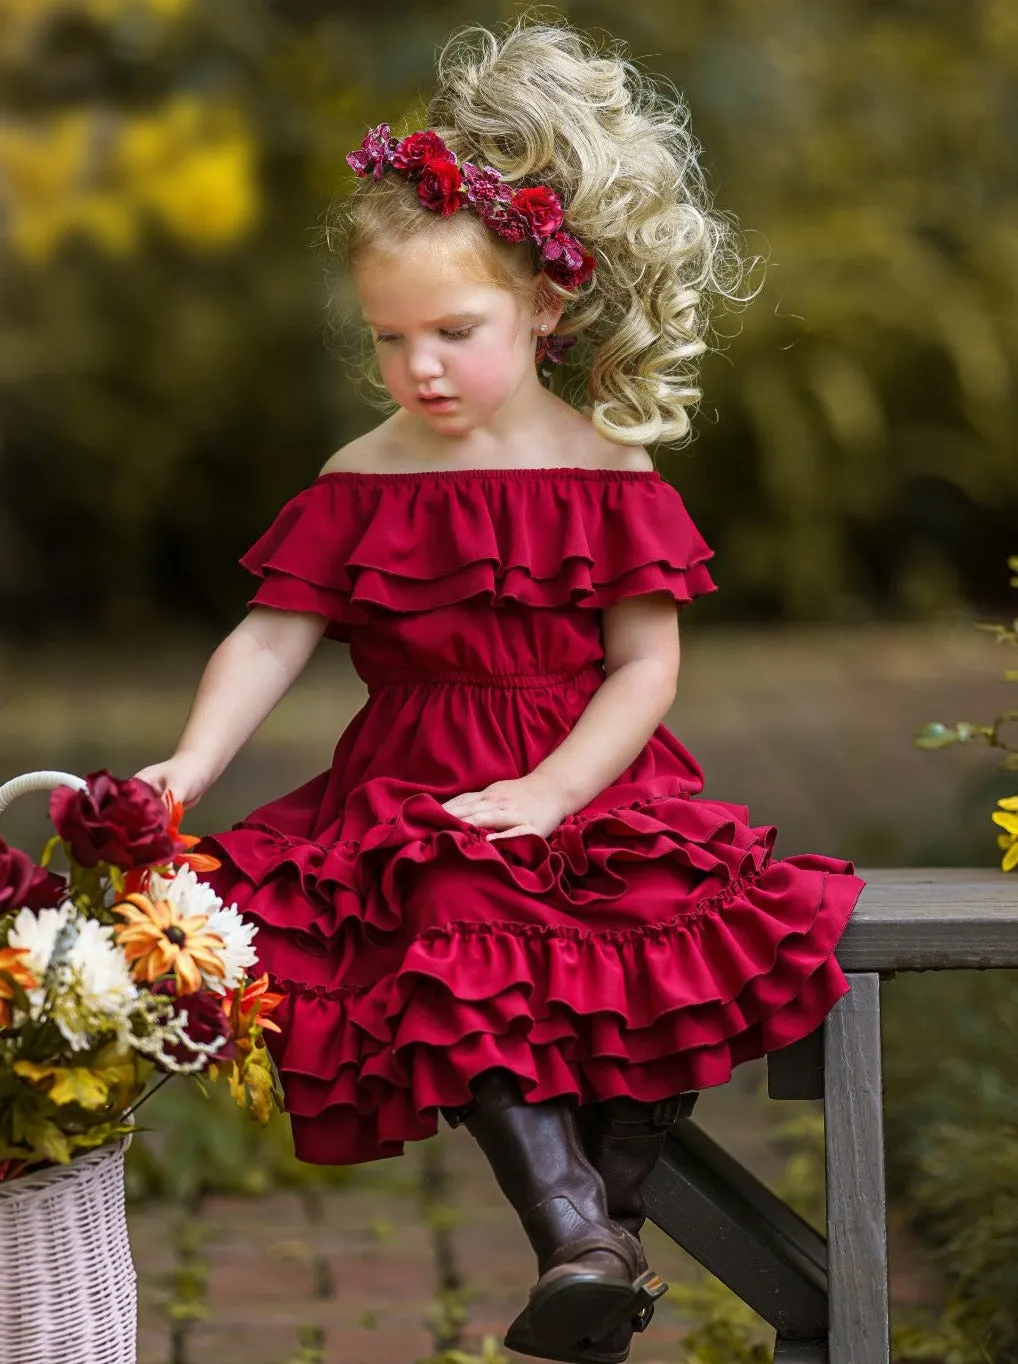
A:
(542, 103)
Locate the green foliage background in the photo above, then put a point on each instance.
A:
(164, 366)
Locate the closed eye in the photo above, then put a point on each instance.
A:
(449, 333)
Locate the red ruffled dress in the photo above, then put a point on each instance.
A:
(644, 949)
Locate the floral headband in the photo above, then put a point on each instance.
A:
(444, 187)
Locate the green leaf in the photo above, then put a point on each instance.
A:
(50, 848)
(47, 1139)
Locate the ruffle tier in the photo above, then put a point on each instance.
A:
(544, 538)
(645, 950)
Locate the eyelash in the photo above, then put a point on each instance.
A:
(450, 334)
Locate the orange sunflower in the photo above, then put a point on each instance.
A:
(13, 971)
(158, 939)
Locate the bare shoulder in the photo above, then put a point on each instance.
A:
(631, 458)
(364, 454)
(609, 454)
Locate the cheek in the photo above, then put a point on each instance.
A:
(493, 370)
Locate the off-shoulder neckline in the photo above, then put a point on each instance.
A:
(523, 472)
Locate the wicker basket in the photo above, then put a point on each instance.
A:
(68, 1291)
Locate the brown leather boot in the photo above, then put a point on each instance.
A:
(623, 1140)
(590, 1280)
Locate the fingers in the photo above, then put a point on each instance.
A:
(154, 777)
(512, 833)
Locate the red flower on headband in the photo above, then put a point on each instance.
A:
(420, 150)
(565, 261)
(439, 188)
(444, 187)
(541, 208)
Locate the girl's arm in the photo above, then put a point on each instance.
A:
(245, 678)
(641, 651)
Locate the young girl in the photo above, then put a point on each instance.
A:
(504, 901)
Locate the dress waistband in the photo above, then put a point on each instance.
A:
(395, 677)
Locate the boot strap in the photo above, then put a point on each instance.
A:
(667, 1112)
(631, 1118)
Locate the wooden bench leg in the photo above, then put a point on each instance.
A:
(800, 1351)
(859, 1327)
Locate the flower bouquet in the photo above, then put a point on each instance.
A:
(123, 971)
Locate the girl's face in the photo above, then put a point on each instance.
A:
(452, 349)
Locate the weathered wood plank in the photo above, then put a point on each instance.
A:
(940, 918)
(799, 1351)
(734, 1226)
(859, 1331)
(797, 1072)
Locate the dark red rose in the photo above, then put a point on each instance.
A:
(124, 823)
(205, 1020)
(24, 885)
(541, 208)
(439, 188)
(419, 150)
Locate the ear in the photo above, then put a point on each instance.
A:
(548, 306)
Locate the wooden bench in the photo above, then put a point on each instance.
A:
(827, 1299)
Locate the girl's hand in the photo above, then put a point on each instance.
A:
(182, 774)
(522, 806)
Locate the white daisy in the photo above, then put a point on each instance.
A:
(190, 896)
(88, 987)
(100, 970)
(238, 954)
(36, 931)
(184, 891)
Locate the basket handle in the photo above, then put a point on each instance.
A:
(37, 781)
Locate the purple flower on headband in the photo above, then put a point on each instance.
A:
(565, 261)
(484, 185)
(376, 153)
(504, 220)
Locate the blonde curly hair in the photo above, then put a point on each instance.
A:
(543, 104)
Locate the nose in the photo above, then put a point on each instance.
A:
(423, 363)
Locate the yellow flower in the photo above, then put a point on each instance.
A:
(158, 938)
(209, 198)
(43, 165)
(1007, 818)
(13, 971)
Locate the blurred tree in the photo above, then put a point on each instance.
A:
(163, 166)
